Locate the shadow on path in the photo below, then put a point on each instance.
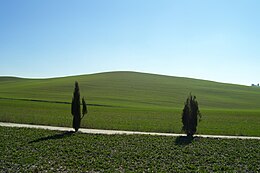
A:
(56, 136)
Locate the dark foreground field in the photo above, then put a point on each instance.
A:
(32, 150)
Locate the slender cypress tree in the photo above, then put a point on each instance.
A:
(75, 108)
(84, 108)
(190, 116)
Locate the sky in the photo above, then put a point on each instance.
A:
(216, 40)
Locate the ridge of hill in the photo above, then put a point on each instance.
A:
(134, 89)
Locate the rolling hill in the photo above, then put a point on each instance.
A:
(132, 101)
(134, 90)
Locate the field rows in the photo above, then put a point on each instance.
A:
(32, 150)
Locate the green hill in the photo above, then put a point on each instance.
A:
(136, 101)
(134, 90)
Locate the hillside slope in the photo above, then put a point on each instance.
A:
(133, 89)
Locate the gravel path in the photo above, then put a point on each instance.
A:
(120, 132)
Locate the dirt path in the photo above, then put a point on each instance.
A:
(120, 132)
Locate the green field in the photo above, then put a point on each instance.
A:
(132, 101)
(32, 150)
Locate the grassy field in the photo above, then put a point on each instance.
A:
(132, 101)
(134, 90)
(233, 123)
(32, 150)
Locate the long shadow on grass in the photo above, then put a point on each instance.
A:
(183, 140)
(53, 137)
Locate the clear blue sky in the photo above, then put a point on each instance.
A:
(207, 39)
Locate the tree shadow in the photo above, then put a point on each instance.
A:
(56, 136)
(184, 140)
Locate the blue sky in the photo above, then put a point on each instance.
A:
(216, 40)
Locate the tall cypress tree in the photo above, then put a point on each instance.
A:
(84, 109)
(75, 107)
(190, 115)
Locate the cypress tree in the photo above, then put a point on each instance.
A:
(75, 108)
(84, 108)
(190, 116)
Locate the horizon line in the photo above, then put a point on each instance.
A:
(117, 71)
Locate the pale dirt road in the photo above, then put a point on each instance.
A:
(119, 132)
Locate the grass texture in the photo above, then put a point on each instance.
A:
(34, 150)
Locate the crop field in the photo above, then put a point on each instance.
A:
(34, 150)
(231, 123)
(132, 101)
